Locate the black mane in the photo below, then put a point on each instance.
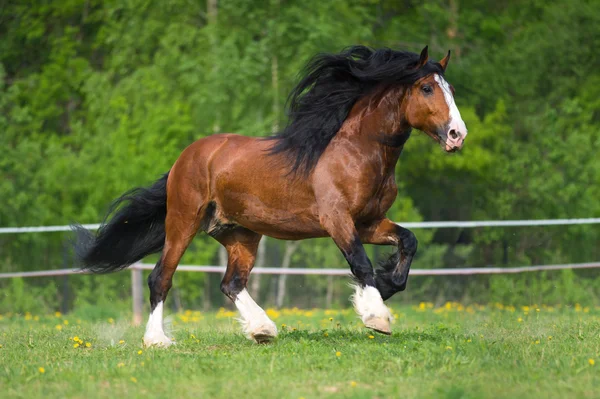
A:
(332, 83)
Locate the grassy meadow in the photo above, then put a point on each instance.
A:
(450, 351)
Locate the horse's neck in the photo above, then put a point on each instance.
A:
(376, 123)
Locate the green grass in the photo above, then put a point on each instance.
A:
(433, 353)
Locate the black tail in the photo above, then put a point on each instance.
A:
(136, 230)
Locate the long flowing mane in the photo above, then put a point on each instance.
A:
(331, 84)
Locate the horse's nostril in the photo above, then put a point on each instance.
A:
(453, 134)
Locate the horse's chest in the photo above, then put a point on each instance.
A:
(380, 199)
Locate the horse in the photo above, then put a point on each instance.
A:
(330, 172)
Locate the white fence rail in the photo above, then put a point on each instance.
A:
(136, 269)
(408, 225)
(325, 271)
(137, 280)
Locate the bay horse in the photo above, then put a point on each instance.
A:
(329, 173)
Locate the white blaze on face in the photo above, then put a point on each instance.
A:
(456, 122)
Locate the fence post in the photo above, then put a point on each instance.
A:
(137, 297)
(329, 295)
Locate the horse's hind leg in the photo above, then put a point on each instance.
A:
(181, 227)
(241, 245)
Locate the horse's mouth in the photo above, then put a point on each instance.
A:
(448, 148)
(443, 142)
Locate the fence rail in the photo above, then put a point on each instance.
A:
(136, 269)
(137, 280)
(326, 271)
(408, 225)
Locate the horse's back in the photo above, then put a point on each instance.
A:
(249, 187)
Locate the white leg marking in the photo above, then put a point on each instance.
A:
(154, 329)
(371, 309)
(256, 324)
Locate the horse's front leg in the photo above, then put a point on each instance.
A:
(392, 275)
(367, 300)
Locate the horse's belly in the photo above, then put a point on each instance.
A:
(251, 191)
(285, 216)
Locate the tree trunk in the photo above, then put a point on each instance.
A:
(212, 13)
(329, 296)
(260, 262)
(290, 248)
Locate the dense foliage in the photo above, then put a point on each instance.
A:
(99, 96)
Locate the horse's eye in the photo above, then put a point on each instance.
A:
(427, 89)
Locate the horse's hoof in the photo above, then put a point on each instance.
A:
(264, 335)
(158, 341)
(379, 324)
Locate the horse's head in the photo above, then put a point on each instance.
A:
(430, 108)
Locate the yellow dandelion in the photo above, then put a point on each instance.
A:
(338, 353)
(353, 384)
(76, 338)
(326, 334)
(537, 341)
(121, 342)
(591, 362)
(550, 338)
(448, 348)
(537, 309)
(141, 363)
(57, 314)
(371, 337)
(0, 346)
(43, 370)
(111, 320)
(75, 345)
(133, 379)
(469, 340)
(58, 327)
(140, 352)
(192, 336)
(120, 364)
(520, 320)
(88, 345)
(331, 319)
(66, 322)
(283, 326)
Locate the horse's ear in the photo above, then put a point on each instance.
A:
(423, 57)
(445, 60)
